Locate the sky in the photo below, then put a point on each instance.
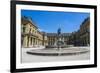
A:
(50, 21)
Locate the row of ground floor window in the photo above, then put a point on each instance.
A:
(27, 41)
(30, 41)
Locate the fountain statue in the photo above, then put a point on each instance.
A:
(59, 41)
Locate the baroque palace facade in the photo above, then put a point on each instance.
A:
(81, 37)
(52, 38)
(32, 37)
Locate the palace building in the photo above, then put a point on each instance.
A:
(31, 36)
(52, 38)
(85, 32)
(82, 36)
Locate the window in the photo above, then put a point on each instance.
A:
(24, 28)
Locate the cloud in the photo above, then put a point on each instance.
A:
(42, 30)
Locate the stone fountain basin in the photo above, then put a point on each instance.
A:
(56, 52)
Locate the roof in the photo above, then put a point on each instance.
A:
(55, 34)
(85, 20)
(29, 20)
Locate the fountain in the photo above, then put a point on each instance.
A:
(59, 43)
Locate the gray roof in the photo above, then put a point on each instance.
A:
(29, 19)
(85, 20)
(55, 34)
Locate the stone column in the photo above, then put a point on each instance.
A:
(25, 41)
